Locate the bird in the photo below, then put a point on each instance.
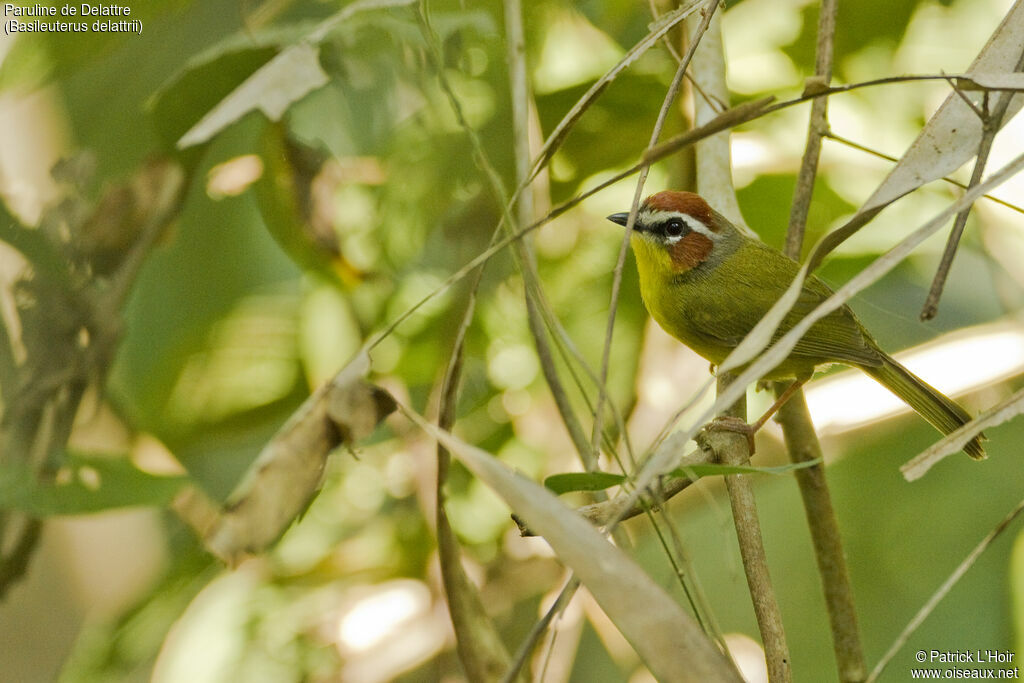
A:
(707, 284)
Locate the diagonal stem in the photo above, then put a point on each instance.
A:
(797, 428)
(732, 449)
(991, 122)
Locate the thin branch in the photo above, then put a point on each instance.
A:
(670, 96)
(732, 449)
(803, 445)
(538, 630)
(942, 591)
(991, 122)
(816, 130)
(713, 154)
(831, 135)
(798, 430)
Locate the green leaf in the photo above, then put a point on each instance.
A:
(582, 481)
(83, 486)
(596, 481)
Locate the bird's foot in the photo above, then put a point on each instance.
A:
(728, 423)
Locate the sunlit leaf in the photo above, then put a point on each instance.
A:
(582, 481)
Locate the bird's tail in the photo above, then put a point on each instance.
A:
(944, 413)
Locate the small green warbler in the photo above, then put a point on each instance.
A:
(707, 284)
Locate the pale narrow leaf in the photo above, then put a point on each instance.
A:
(668, 640)
(1007, 409)
(274, 87)
(952, 134)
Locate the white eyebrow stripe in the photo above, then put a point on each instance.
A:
(654, 216)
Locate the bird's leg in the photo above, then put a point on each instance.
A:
(779, 402)
(735, 424)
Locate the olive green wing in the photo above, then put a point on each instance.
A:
(838, 336)
(733, 298)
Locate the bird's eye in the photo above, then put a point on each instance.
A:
(674, 228)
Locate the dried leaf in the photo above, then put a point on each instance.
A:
(286, 475)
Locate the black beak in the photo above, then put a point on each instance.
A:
(620, 218)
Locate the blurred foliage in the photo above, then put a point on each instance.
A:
(298, 239)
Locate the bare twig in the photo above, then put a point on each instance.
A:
(816, 130)
(831, 135)
(801, 439)
(531, 639)
(991, 122)
(713, 154)
(732, 449)
(803, 446)
(942, 591)
(670, 97)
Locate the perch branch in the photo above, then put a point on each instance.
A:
(797, 428)
(732, 449)
(803, 445)
(991, 122)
